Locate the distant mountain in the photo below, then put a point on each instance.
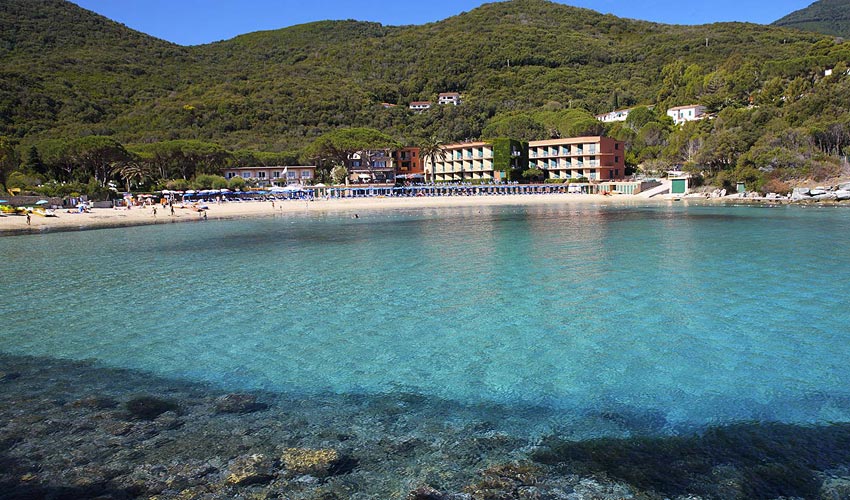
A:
(67, 72)
(830, 17)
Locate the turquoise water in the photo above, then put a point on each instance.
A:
(680, 316)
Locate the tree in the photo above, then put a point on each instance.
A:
(533, 174)
(432, 150)
(132, 172)
(8, 160)
(721, 150)
(338, 174)
(33, 162)
(350, 147)
(97, 156)
(519, 126)
(236, 183)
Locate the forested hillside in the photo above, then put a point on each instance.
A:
(830, 17)
(71, 80)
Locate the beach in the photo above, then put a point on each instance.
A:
(99, 218)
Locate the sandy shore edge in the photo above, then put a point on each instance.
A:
(109, 218)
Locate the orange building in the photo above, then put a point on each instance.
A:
(595, 158)
(407, 162)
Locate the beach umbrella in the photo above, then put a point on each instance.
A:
(42, 202)
(4, 201)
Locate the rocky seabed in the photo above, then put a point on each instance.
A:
(69, 430)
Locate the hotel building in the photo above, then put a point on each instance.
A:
(271, 176)
(595, 158)
(483, 161)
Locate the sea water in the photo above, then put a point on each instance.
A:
(682, 316)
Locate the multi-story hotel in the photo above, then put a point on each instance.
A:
(474, 161)
(595, 158)
(270, 176)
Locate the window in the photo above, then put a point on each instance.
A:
(306, 174)
(616, 146)
(246, 175)
(261, 175)
(616, 159)
(229, 175)
(276, 174)
(291, 175)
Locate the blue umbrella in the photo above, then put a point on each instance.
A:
(4, 201)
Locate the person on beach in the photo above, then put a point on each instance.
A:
(272, 203)
(154, 211)
(29, 219)
(172, 210)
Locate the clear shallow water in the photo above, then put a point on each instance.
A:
(683, 316)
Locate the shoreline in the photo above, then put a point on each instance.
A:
(103, 218)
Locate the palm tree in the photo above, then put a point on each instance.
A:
(432, 150)
(132, 170)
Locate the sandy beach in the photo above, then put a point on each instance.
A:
(104, 217)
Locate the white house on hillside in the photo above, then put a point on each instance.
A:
(682, 114)
(420, 105)
(449, 98)
(619, 115)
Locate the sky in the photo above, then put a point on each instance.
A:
(194, 22)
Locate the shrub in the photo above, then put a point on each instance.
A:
(236, 183)
(777, 186)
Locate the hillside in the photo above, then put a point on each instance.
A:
(830, 17)
(68, 72)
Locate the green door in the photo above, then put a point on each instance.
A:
(679, 186)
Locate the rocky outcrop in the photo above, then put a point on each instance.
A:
(840, 192)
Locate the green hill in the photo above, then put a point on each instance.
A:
(830, 17)
(67, 72)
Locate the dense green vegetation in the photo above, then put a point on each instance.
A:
(87, 101)
(830, 17)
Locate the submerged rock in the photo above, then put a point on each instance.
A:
(148, 407)
(7, 376)
(168, 421)
(425, 493)
(319, 463)
(250, 469)
(238, 403)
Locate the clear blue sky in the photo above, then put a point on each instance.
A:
(192, 22)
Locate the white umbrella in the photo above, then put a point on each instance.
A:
(42, 202)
